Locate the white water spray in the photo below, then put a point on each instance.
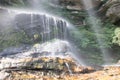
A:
(96, 27)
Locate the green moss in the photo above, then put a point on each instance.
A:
(13, 39)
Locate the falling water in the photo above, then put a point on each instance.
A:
(96, 27)
(67, 65)
(52, 30)
(48, 27)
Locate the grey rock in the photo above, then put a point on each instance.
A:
(14, 50)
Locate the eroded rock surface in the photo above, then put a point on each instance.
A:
(112, 10)
(44, 67)
(108, 73)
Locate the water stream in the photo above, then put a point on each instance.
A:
(67, 65)
(96, 27)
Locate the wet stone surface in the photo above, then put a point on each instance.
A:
(108, 73)
(44, 67)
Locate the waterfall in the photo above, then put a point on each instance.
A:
(49, 32)
(96, 27)
(48, 27)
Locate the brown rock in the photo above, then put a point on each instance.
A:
(77, 4)
(112, 10)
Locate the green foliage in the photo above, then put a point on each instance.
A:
(116, 38)
(13, 39)
(85, 37)
(11, 2)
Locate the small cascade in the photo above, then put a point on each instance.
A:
(42, 25)
(49, 33)
(70, 71)
(51, 49)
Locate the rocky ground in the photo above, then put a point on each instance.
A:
(108, 73)
(56, 68)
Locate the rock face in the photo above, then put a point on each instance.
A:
(52, 48)
(41, 26)
(34, 24)
(77, 4)
(109, 72)
(65, 64)
(112, 10)
(42, 68)
(114, 13)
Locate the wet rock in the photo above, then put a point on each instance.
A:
(14, 50)
(56, 47)
(45, 63)
(2, 10)
(43, 26)
(113, 13)
(43, 68)
(112, 73)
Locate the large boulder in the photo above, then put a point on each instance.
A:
(113, 13)
(111, 9)
(44, 66)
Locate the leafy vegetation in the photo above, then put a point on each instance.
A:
(116, 38)
(14, 39)
(85, 38)
(12, 2)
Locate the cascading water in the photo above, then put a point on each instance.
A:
(50, 55)
(96, 27)
(48, 27)
(51, 32)
(69, 68)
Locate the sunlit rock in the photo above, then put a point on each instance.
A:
(108, 73)
(4, 75)
(41, 26)
(45, 63)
